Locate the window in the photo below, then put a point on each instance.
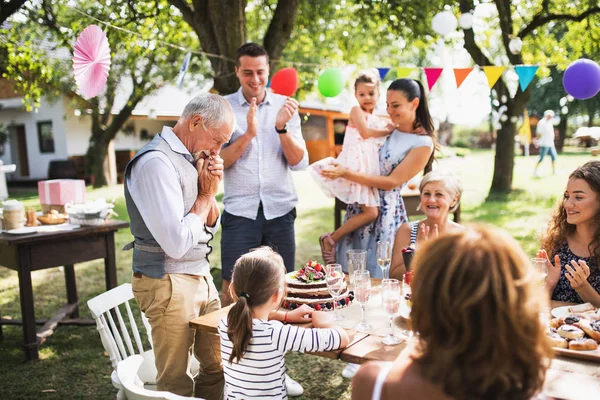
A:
(46, 136)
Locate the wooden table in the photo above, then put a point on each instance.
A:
(566, 378)
(33, 252)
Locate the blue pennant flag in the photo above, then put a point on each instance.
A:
(183, 69)
(382, 72)
(526, 74)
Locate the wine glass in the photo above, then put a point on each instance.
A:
(357, 260)
(384, 250)
(362, 291)
(391, 305)
(334, 277)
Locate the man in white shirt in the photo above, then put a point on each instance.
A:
(170, 188)
(545, 136)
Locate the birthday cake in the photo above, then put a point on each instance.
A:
(309, 286)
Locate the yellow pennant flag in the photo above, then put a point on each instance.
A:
(493, 74)
(403, 72)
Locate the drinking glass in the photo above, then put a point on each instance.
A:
(362, 291)
(334, 276)
(391, 305)
(357, 261)
(384, 250)
(540, 266)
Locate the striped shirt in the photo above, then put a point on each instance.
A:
(262, 173)
(260, 374)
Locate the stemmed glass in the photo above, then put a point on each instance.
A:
(334, 278)
(362, 291)
(391, 304)
(384, 250)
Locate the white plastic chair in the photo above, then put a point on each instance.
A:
(127, 372)
(117, 342)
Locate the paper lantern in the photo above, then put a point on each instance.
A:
(466, 21)
(582, 79)
(515, 45)
(331, 82)
(444, 23)
(285, 82)
(91, 61)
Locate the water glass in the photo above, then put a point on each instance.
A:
(334, 277)
(384, 257)
(357, 261)
(540, 266)
(391, 304)
(362, 291)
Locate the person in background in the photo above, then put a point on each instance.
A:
(170, 188)
(545, 138)
(254, 340)
(573, 239)
(476, 306)
(440, 195)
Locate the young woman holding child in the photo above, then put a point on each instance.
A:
(440, 195)
(365, 134)
(253, 338)
(476, 311)
(573, 239)
(403, 155)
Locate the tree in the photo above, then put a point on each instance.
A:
(39, 62)
(8, 8)
(532, 22)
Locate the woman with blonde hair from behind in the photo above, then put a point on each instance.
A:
(476, 309)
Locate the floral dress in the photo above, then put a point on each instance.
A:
(563, 290)
(391, 207)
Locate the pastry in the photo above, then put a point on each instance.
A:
(557, 340)
(570, 332)
(580, 308)
(592, 329)
(583, 344)
(556, 322)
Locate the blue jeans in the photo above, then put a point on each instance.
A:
(547, 150)
(242, 234)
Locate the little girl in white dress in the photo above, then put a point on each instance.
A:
(365, 134)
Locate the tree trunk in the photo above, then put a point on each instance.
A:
(562, 133)
(97, 158)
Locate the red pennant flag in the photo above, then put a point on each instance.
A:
(433, 74)
(461, 74)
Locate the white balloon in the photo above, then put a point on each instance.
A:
(515, 45)
(466, 21)
(444, 23)
(564, 110)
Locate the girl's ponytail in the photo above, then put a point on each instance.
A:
(239, 327)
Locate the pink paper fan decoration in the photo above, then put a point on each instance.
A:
(91, 61)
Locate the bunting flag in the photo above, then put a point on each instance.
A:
(493, 74)
(382, 72)
(183, 69)
(403, 72)
(461, 74)
(526, 74)
(433, 74)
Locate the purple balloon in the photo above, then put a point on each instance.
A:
(582, 79)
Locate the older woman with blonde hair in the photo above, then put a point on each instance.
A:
(476, 310)
(440, 195)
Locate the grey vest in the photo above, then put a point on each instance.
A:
(148, 257)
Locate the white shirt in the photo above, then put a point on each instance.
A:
(153, 184)
(260, 373)
(262, 173)
(545, 131)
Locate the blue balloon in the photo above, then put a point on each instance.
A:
(582, 79)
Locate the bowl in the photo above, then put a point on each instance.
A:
(52, 219)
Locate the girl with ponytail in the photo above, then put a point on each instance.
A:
(253, 338)
(405, 153)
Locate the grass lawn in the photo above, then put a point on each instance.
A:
(73, 364)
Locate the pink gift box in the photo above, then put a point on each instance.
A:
(59, 192)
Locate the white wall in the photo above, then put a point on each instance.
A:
(38, 162)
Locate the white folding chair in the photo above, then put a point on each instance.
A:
(127, 372)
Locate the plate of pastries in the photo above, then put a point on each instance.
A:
(576, 329)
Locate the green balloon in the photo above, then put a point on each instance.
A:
(331, 82)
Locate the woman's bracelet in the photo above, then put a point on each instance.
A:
(285, 317)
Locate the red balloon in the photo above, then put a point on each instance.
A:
(285, 82)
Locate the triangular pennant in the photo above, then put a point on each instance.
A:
(526, 74)
(183, 69)
(403, 72)
(382, 72)
(460, 74)
(493, 74)
(433, 75)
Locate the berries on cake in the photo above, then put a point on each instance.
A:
(309, 286)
